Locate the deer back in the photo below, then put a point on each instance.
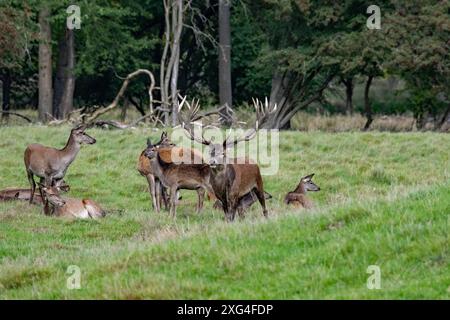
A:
(19, 194)
(189, 176)
(78, 208)
(298, 200)
(180, 155)
(41, 159)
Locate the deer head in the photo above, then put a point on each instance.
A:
(217, 151)
(52, 196)
(306, 184)
(80, 136)
(151, 151)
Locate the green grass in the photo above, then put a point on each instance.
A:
(385, 201)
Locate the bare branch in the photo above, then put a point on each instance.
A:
(94, 115)
(17, 115)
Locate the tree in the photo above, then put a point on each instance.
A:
(170, 60)
(65, 77)
(15, 34)
(225, 86)
(45, 65)
(420, 34)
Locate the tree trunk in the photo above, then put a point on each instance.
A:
(420, 117)
(367, 106)
(177, 25)
(225, 88)
(123, 113)
(349, 95)
(444, 118)
(45, 66)
(6, 93)
(173, 14)
(65, 78)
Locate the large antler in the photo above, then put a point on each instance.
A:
(250, 134)
(263, 110)
(192, 115)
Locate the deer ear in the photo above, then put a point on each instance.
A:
(163, 135)
(149, 142)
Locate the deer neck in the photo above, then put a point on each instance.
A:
(300, 188)
(217, 180)
(49, 209)
(159, 168)
(70, 151)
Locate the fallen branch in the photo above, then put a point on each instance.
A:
(89, 118)
(17, 115)
(123, 126)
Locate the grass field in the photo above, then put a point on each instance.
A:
(385, 201)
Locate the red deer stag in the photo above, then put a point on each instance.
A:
(231, 179)
(298, 197)
(51, 164)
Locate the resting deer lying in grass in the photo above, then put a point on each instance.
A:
(23, 194)
(178, 176)
(59, 206)
(51, 164)
(11, 194)
(298, 197)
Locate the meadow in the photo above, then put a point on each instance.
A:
(384, 201)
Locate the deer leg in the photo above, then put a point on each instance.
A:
(201, 197)
(152, 190)
(262, 199)
(163, 197)
(173, 201)
(233, 202)
(33, 185)
(41, 182)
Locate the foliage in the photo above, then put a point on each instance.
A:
(310, 41)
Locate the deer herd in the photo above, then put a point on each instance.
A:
(233, 183)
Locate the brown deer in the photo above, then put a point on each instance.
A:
(298, 197)
(157, 192)
(178, 176)
(59, 206)
(231, 179)
(51, 164)
(23, 194)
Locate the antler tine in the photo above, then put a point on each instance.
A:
(263, 110)
(189, 131)
(181, 119)
(195, 108)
